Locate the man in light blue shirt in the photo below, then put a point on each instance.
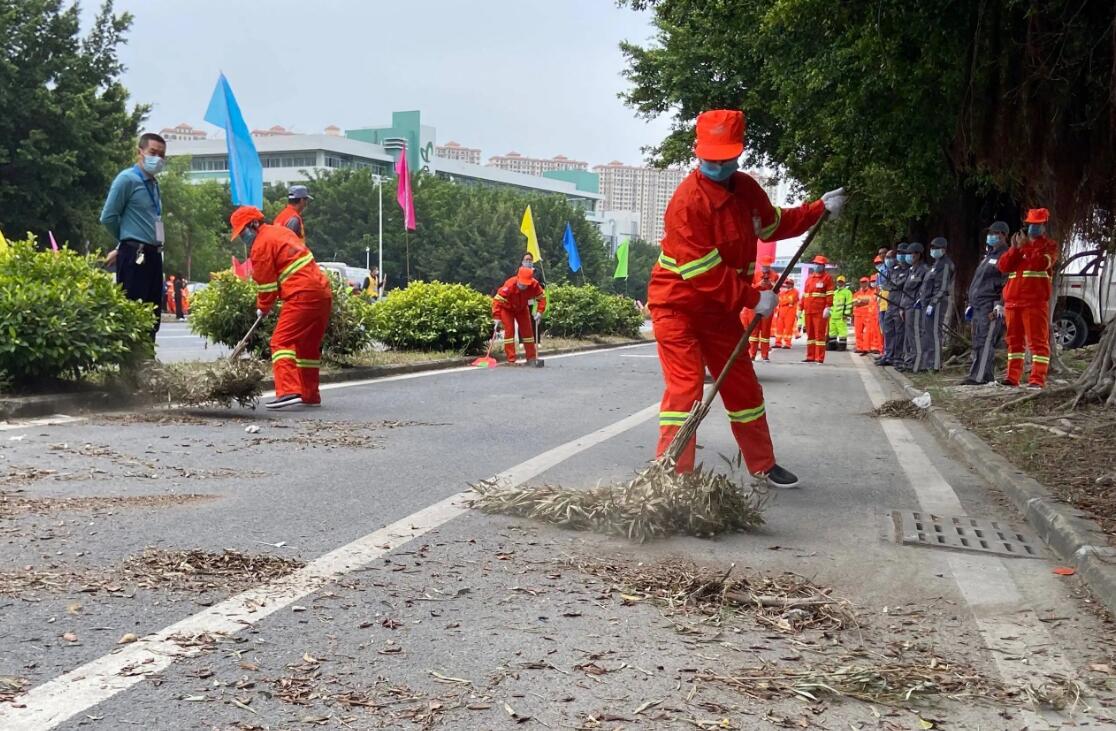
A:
(133, 215)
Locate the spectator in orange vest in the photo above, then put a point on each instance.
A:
(1029, 266)
(298, 197)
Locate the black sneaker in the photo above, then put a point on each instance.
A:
(970, 382)
(1009, 384)
(779, 477)
(282, 402)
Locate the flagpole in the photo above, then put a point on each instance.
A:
(380, 266)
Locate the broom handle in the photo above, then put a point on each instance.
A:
(244, 340)
(743, 344)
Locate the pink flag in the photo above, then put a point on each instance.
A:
(53, 243)
(404, 196)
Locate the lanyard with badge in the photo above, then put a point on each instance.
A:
(157, 203)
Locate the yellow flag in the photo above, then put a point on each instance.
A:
(3, 244)
(527, 228)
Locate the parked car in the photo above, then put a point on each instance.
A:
(1086, 298)
(357, 277)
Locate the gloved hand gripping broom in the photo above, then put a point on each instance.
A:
(701, 408)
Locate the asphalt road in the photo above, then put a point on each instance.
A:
(414, 612)
(175, 342)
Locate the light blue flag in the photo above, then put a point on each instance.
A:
(245, 170)
(571, 249)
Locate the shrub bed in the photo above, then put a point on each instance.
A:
(433, 316)
(585, 311)
(62, 316)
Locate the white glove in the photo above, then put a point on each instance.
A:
(998, 311)
(825, 313)
(259, 313)
(834, 201)
(766, 304)
(929, 310)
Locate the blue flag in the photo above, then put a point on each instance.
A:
(245, 170)
(571, 249)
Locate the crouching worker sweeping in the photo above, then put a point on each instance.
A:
(284, 269)
(511, 306)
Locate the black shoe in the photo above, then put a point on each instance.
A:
(883, 362)
(1006, 382)
(780, 477)
(282, 402)
(971, 382)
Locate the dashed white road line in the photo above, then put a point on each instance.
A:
(1017, 640)
(47, 705)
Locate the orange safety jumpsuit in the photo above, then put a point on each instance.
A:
(817, 295)
(169, 305)
(511, 306)
(786, 316)
(1029, 269)
(875, 333)
(284, 269)
(286, 216)
(760, 341)
(699, 285)
(862, 315)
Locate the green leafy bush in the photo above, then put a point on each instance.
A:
(584, 311)
(223, 312)
(433, 316)
(61, 316)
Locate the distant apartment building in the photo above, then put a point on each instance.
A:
(182, 132)
(642, 189)
(517, 163)
(454, 151)
(275, 131)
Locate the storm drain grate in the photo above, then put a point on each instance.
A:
(962, 533)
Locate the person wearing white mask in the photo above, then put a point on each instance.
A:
(133, 215)
(936, 295)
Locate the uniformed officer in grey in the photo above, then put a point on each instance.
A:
(893, 315)
(936, 296)
(985, 310)
(913, 325)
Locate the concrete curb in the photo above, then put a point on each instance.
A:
(1077, 540)
(94, 401)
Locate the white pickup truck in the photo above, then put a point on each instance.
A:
(1086, 298)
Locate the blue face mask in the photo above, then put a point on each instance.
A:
(992, 240)
(1034, 230)
(153, 164)
(937, 253)
(889, 261)
(718, 172)
(906, 258)
(248, 235)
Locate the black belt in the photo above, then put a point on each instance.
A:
(134, 243)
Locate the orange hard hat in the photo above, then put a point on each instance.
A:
(790, 281)
(242, 216)
(864, 279)
(1037, 215)
(525, 275)
(820, 259)
(720, 134)
(767, 261)
(878, 260)
(872, 279)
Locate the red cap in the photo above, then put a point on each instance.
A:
(242, 216)
(820, 259)
(878, 260)
(525, 275)
(767, 261)
(864, 279)
(1037, 215)
(720, 134)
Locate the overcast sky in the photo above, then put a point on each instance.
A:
(536, 76)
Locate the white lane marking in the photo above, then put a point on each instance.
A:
(47, 705)
(653, 355)
(41, 421)
(1009, 626)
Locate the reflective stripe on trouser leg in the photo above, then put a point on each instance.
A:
(676, 339)
(1015, 335)
(507, 319)
(313, 319)
(1037, 332)
(527, 333)
(741, 392)
(817, 327)
(936, 339)
(985, 334)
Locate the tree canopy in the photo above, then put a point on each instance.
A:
(66, 128)
(940, 116)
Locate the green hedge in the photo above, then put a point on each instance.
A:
(223, 312)
(433, 316)
(584, 311)
(62, 316)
